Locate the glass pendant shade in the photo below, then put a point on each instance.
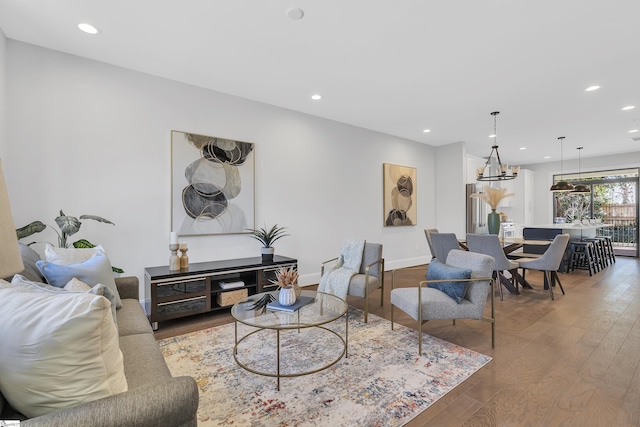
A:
(581, 188)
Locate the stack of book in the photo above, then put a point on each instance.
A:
(232, 285)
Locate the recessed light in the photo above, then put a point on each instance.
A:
(316, 97)
(547, 157)
(426, 130)
(88, 28)
(523, 148)
(492, 136)
(633, 131)
(628, 107)
(590, 88)
(295, 13)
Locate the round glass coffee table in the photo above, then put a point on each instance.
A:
(322, 309)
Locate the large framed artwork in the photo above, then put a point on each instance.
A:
(213, 185)
(400, 195)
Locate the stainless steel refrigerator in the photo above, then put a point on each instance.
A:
(476, 211)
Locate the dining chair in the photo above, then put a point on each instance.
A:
(489, 244)
(424, 303)
(427, 233)
(549, 262)
(442, 244)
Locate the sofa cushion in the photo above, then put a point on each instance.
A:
(58, 350)
(440, 271)
(92, 271)
(132, 319)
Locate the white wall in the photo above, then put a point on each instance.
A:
(543, 207)
(91, 138)
(3, 92)
(451, 164)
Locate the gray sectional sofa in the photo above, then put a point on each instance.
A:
(154, 398)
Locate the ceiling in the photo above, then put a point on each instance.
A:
(396, 67)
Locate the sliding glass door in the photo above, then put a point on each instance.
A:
(613, 201)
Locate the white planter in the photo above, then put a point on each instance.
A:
(287, 296)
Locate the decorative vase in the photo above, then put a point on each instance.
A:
(287, 296)
(493, 222)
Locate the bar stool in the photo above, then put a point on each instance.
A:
(608, 244)
(581, 257)
(598, 248)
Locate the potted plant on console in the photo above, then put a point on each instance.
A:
(267, 237)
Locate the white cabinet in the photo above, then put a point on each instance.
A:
(473, 163)
(507, 202)
(519, 207)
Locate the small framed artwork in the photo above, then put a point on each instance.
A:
(400, 196)
(212, 184)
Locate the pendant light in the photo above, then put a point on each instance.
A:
(580, 188)
(561, 186)
(501, 174)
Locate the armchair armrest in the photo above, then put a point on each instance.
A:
(173, 402)
(393, 272)
(324, 263)
(128, 287)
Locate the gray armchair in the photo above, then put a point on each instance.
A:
(549, 262)
(424, 304)
(369, 278)
(489, 244)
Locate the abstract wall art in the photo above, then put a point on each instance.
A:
(213, 185)
(400, 196)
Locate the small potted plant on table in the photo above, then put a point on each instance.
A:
(267, 237)
(287, 281)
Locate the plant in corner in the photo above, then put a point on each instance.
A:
(267, 237)
(69, 225)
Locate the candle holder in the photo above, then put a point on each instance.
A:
(184, 258)
(174, 260)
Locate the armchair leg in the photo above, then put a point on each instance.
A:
(548, 279)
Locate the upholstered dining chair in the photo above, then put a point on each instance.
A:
(549, 262)
(369, 278)
(424, 303)
(489, 244)
(443, 243)
(427, 233)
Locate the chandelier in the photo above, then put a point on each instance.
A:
(561, 186)
(504, 172)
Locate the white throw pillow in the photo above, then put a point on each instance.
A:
(74, 285)
(66, 256)
(58, 350)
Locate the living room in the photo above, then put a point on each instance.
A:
(88, 137)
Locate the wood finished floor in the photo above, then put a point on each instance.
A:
(574, 361)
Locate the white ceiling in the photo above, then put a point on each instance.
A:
(396, 67)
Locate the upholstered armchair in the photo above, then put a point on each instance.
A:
(369, 278)
(424, 303)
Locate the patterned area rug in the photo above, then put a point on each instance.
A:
(383, 382)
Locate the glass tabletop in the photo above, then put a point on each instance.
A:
(323, 309)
